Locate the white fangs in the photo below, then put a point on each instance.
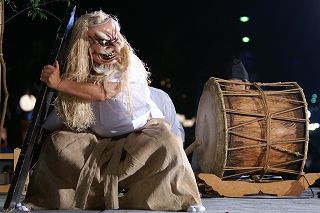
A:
(107, 57)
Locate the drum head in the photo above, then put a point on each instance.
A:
(210, 129)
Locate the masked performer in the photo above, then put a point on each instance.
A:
(116, 149)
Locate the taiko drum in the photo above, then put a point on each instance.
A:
(252, 129)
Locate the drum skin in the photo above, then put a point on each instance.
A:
(260, 130)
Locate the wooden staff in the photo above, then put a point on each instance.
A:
(35, 131)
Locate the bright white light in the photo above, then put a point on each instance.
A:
(186, 122)
(245, 39)
(313, 126)
(244, 18)
(189, 122)
(181, 117)
(27, 102)
(308, 114)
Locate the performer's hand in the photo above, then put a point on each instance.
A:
(111, 89)
(51, 75)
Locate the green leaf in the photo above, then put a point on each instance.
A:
(29, 13)
(34, 15)
(43, 16)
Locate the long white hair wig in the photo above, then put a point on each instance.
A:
(77, 113)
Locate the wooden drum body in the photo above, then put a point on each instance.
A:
(259, 130)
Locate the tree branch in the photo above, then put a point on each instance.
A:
(47, 11)
(29, 7)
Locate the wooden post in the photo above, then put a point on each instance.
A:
(192, 146)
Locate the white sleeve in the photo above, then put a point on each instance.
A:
(165, 104)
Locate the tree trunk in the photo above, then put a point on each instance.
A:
(3, 77)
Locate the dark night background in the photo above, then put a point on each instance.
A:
(186, 43)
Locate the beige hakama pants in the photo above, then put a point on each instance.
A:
(148, 169)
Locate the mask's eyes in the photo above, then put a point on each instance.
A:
(116, 40)
(103, 42)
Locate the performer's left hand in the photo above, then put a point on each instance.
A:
(51, 75)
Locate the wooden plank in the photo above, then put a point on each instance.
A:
(4, 188)
(5, 156)
(236, 188)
